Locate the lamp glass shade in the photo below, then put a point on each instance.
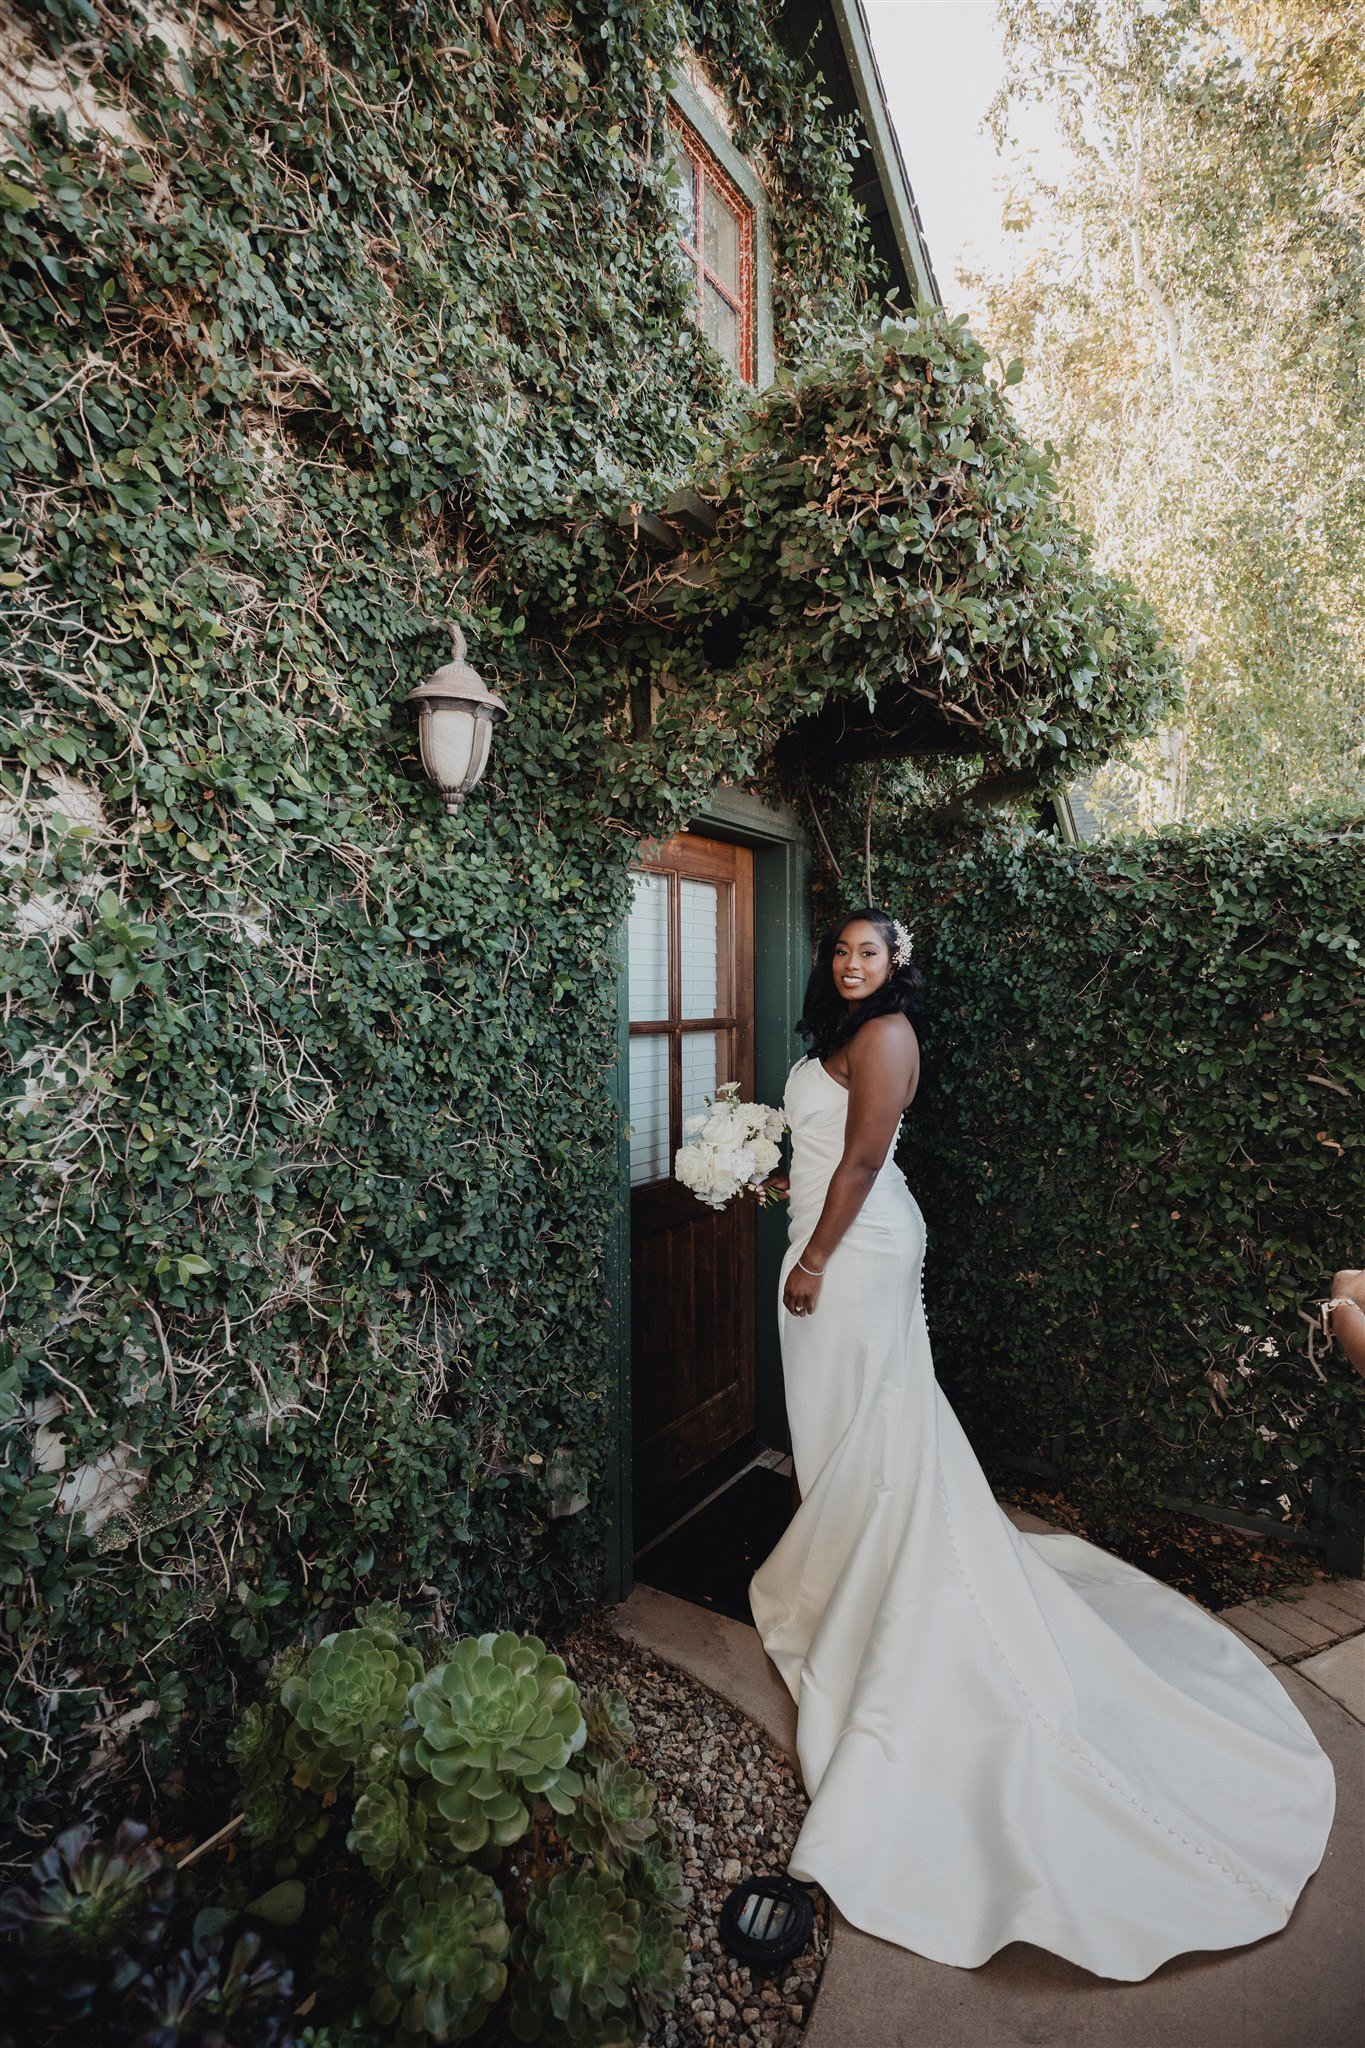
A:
(454, 738)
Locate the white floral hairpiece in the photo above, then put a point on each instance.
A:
(905, 944)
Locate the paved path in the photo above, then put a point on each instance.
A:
(1301, 1988)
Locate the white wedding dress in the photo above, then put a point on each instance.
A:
(1004, 1737)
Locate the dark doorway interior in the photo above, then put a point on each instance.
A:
(711, 1556)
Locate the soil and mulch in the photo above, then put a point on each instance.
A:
(1208, 1561)
(734, 1802)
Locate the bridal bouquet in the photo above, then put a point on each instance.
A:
(729, 1148)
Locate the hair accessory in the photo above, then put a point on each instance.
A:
(904, 946)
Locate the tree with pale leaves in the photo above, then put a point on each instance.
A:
(1189, 308)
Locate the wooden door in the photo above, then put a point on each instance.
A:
(692, 1268)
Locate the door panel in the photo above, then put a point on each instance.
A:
(692, 1269)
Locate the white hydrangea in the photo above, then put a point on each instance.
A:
(730, 1147)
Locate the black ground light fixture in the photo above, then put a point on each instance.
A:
(766, 1921)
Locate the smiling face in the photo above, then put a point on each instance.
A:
(862, 961)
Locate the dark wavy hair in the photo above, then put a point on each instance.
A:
(826, 1019)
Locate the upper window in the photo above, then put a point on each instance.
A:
(716, 236)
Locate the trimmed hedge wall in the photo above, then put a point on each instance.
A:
(1141, 1151)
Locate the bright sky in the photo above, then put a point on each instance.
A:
(941, 64)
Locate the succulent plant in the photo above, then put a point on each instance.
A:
(348, 1698)
(83, 1923)
(340, 1972)
(440, 1949)
(654, 1876)
(497, 1721)
(610, 1728)
(662, 1966)
(578, 1951)
(204, 1998)
(277, 1814)
(383, 1831)
(614, 1816)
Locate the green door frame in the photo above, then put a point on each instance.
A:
(781, 969)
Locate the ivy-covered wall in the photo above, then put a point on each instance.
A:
(309, 1153)
(327, 323)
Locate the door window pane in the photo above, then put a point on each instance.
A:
(720, 250)
(699, 1050)
(720, 323)
(699, 909)
(649, 1158)
(648, 950)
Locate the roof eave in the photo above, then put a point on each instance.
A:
(851, 21)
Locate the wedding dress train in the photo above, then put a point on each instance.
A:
(1004, 1737)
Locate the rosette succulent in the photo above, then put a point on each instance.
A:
(348, 1700)
(614, 1816)
(206, 1998)
(498, 1721)
(440, 1952)
(610, 1728)
(276, 1814)
(578, 1951)
(382, 1829)
(654, 1876)
(83, 1923)
(662, 1964)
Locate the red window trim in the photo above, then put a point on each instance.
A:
(710, 172)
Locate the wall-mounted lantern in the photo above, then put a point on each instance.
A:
(456, 715)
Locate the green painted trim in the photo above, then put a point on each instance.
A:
(851, 22)
(618, 1574)
(696, 112)
(1066, 817)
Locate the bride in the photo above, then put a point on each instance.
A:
(1004, 1737)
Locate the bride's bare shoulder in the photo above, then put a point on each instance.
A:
(884, 1036)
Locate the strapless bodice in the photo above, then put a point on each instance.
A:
(817, 1110)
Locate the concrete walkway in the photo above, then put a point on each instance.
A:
(1301, 1988)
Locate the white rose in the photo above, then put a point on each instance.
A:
(696, 1168)
(766, 1154)
(693, 1124)
(723, 1127)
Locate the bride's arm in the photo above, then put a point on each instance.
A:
(883, 1064)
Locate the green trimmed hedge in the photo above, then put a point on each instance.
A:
(1141, 1153)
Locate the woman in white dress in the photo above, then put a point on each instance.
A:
(1004, 1737)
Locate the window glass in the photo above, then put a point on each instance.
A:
(720, 324)
(686, 198)
(699, 1049)
(649, 1158)
(716, 229)
(721, 237)
(699, 910)
(648, 951)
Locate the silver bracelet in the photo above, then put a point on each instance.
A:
(811, 1270)
(1325, 1309)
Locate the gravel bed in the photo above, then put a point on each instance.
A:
(735, 1803)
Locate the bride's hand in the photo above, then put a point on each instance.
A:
(802, 1291)
(775, 1188)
